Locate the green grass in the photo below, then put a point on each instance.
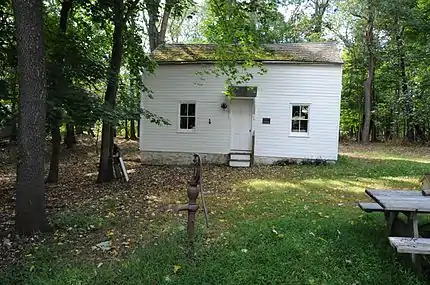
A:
(71, 220)
(278, 225)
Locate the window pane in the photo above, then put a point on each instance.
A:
(191, 122)
(184, 109)
(183, 124)
(191, 109)
(296, 111)
(305, 112)
(303, 126)
(295, 126)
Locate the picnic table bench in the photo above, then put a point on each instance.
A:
(403, 237)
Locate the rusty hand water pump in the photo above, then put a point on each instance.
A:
(193, 192)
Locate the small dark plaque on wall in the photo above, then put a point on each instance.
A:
(266, 120)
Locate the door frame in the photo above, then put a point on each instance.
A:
(251, 103)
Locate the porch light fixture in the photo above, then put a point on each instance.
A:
(224, 105)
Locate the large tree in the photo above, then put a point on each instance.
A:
(30, 193)
(59, 86)
(75, 67)
(121, 14)
(368, 83)
(384, 49)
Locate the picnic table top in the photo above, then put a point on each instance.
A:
(401, 200)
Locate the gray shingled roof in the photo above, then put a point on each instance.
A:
(326, 52)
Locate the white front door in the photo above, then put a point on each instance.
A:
(241, 124)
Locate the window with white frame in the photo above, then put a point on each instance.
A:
(187, 116)
(300, 118)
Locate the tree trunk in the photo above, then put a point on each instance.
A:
(132, 130)
(138, 128)
(157, 37)
(404, 83)
(79, 130)
(55, 153)
(14, 131)
(66, 6)
(30, 193)
(70, 138)
(420, 133)
(105, 167)
(317, 18)
(161, 37)
(152, 8)
(396, 108)
(126, 130)
(15, 111)
(388, 125)
(373, 131)
(368, 84)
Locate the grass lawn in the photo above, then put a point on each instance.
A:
(295, 224)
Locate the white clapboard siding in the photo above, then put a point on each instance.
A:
(172, 85)
(318, 84)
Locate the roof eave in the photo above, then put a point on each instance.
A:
(163, 62)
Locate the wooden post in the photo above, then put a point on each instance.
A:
(425, 184)
(413, 229)
(252, 148)
(118, 164)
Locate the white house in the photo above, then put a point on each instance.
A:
(292, 112)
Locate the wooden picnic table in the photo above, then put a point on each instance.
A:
(401, 200)
(408, 202)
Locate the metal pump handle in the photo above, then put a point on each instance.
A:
(198, 163)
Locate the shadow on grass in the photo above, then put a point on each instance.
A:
(348, 173)
(320, 199)
(374, 168)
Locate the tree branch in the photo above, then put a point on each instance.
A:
(343, 38)
(152, 24)
(145, 20)
(164, 22)
(358, 16)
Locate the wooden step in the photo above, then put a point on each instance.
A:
(410, 245)
(239, 163)
(239, 151)
(240, 156)
(370, 207)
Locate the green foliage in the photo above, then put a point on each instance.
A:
(400, 90)
(76, 67)
(232, 26)
(239, 29)
(8, 62)
(83, 107)
(128, 107)
(132, 85)
(7, 39)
